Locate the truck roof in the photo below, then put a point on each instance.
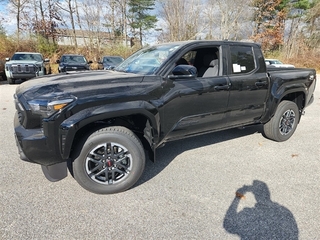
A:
(217, 42)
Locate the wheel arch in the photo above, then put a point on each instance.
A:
(141, 121)
(298, 96)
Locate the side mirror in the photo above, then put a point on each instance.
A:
(47, 60)
(58, 61)
(7, 59)
(90, 62)
(184, 71)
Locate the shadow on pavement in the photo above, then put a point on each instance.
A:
(266, 220)
(171, 150)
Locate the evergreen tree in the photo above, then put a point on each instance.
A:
(141, 20)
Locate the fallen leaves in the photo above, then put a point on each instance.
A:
(240, 195)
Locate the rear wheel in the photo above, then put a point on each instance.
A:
(284, 122)
(111, 160)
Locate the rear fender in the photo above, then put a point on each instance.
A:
(277, 95)
(284, 86)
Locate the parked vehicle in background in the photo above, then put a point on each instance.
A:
(110, 62)
(277, 63)
(100, 124)
(24, 66)
(73, 62)
(2, 71)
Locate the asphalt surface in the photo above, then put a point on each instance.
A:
(189, 193)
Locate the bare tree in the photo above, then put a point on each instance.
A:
(80, 24)
(18, 7)
(181, 19)
(228, 16)
(93, 14)
(116, 19)
(123, 5)
(44, 19)
(292, 39)
(313, 28)
(70, 9)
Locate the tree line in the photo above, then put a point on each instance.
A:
(284, 27)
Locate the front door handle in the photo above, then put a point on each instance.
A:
(261, 84)
(223, 87)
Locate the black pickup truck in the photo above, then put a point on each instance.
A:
(102, 124)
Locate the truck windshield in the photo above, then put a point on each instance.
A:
(27, 56)
(146, 61)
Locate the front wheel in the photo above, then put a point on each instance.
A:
(284, 122)
(111, 160)
(11, 80)
(4, 76)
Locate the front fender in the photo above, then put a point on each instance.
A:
(72, 125)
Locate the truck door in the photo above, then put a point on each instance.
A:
(195, 105)
(248, 85)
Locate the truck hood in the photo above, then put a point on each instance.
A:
(24, 62)
(72, 64)
(85, 86)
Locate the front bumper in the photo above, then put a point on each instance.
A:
(23, 75)
(33, 145)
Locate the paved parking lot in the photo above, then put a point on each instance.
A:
(187, 194)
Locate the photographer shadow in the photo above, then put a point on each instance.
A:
(266, 220)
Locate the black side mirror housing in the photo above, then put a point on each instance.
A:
(184, 71)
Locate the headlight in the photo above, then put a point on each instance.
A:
(46, 108)
(38, 67)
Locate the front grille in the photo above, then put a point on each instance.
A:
(23, 68)
(21, 112)
(20, 117)
(79, 68)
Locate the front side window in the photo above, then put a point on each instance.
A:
(242, 59)
(204, 59)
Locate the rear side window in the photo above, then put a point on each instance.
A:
(242, 59)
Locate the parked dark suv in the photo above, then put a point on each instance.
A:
(73, 62)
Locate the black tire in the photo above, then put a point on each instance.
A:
(4, 77)
(11, 81)
(284, 122)
(114, 172)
